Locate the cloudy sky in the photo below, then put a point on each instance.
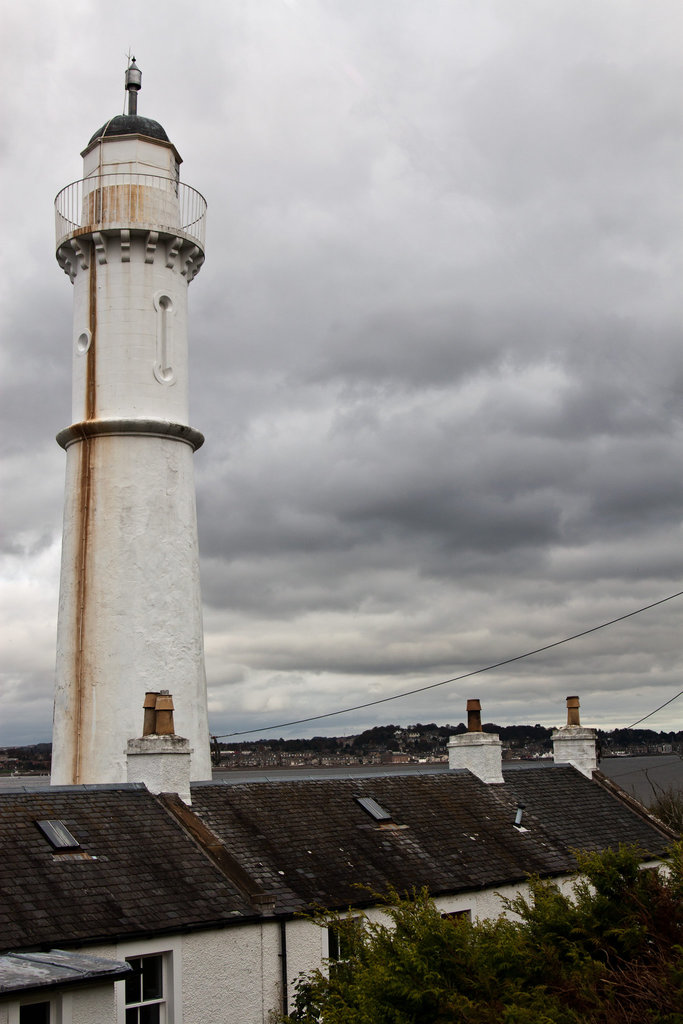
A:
(435, 346)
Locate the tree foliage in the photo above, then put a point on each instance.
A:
(668, 806)
(611, 953)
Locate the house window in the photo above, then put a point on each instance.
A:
(35, 1013)
(145, 999)
(453, 915)
(342, 937)
(334, 943)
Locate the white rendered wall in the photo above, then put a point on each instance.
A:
(233, 977)
(230, 974)
(487, 904)
(90, 1005)
(479, 752)
(219, 976)
(130, 617)
(235, 974)
(162, 763)
(129, 323)
(575, 745)
(132, 154)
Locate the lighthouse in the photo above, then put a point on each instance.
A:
(130, 237)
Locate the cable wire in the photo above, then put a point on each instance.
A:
(465, 675)
(645, 717)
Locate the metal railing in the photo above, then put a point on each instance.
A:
(127, 199)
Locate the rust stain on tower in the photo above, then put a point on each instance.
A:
(84, 510)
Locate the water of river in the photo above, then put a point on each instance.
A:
(642, 777)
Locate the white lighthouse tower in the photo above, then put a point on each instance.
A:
(130, 236)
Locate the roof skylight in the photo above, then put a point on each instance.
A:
(373, 808)
(58, 835)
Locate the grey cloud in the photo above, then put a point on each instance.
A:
(434, 347)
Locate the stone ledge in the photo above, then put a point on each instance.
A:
(130, 428)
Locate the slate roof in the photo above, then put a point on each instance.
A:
(25, 972)
(136, 872)
(581, 813)
(310, 843)
(146, 865)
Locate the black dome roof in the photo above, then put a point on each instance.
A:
(131, 124)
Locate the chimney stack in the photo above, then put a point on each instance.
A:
(479, 752)
(159, 758)
(572, 744)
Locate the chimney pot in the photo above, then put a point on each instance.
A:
(573, 717)
(164, 716)
(474, 715)
(149, 723)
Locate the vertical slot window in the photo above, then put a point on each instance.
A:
(163, 367)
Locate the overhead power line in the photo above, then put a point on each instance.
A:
(645, 717)
(465, 675)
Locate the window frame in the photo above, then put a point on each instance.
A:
(53, 999)
(170, 952)
(339, 934)
(159, 1000)
(454, 915)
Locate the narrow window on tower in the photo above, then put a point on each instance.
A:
(83, 342)
(163, 367)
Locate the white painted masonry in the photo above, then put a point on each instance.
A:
(83, 1005)
(480, 752)
(162, 763)
(234, 974)
(572, 744)
(130, 615)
